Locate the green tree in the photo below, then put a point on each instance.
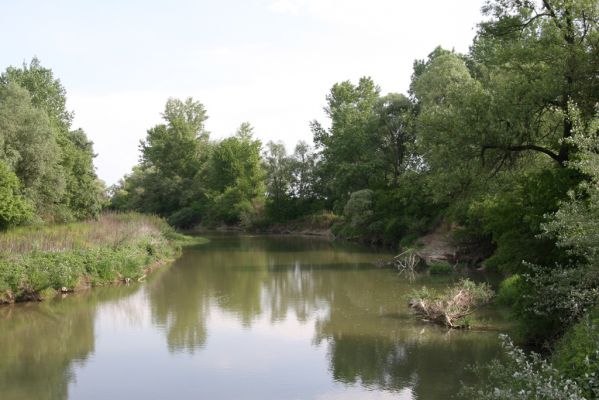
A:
(79, 192)
(396, 124)
(171, 156)
(279, 175)
(14, 208)
(347, 148)
(536, 58)
(29, 149)
(235, 177)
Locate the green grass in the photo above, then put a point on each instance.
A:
(39, 261)
(440, 268)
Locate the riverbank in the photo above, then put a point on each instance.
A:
(40, 262)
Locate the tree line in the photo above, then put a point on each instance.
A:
(501, 143)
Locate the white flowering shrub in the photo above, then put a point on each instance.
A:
(521, 376)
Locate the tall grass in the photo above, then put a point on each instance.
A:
(110, 230)
(38, 261)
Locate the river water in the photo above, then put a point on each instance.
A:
(241, 317)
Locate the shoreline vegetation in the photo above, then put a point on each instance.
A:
(41, 262)
(491, 157)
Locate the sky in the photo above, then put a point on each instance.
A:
(268, 62)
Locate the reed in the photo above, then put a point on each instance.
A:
(37, 262)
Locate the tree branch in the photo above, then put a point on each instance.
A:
(525, 147)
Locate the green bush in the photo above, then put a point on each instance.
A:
(553, 299)
(577, 354)
(186, 217)
(510, 290)
(14, 209)
(440, 269)
(518, 376)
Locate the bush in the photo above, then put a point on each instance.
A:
(577, 354)
(521, 377)
(186, 217)
(440, 269)
(510, 290)
(553, 299)
(14, 209)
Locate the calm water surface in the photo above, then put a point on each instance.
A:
(240, 318)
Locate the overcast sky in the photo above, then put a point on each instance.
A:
(269, 62)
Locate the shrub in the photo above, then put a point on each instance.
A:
(521, 377)
(440, 269)
(186, 217)
(510, 290)
(577, 354)
(14, 209)
(553, 299)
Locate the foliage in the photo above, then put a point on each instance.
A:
(116, 247)
(510, 290)
(14, 209)
(575, 224)
(576, 355)
(358, 209)
(553, 299)
(54, 164)
(519, 376)
(451, 305)
(439, 268)
(513, 217)
(235, 177)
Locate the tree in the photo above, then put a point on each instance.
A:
(278, 168)
(235, 177)
(47, 92)
(537, 58)
(303, 165)
(347, 148)
(14, 208)
(172, 154)
(448, 142)
(29, 149)
(80, 194)
(396, 124)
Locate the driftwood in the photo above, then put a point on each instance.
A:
(407, 263)
(450, 306)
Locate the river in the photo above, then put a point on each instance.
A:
(241, 317)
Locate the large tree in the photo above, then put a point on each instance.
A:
(536, 58)
(347, 148)
(78, 192)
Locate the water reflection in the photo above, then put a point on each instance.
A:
(358, 311)
(240, 317)
(41, 343)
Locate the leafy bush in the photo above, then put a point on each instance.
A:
(521, 377)
(358, 209)
(440, 269)
(186, 217)
(14, 209)
(510, 290)
(514, 217)
(552, 299)
(577, 354)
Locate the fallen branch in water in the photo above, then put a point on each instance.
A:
(448, 307)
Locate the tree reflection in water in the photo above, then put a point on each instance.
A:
(275, 315)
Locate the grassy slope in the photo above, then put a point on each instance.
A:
(37, 262)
